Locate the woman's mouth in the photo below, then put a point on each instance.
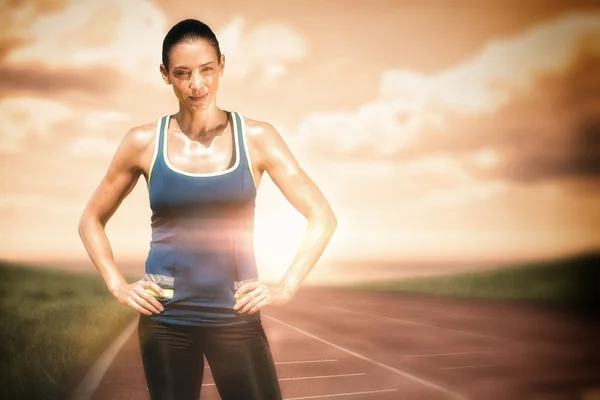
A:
(198, 98)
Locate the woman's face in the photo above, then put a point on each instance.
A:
(194, 72)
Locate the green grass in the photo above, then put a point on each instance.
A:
(53, 327)
(569, 282)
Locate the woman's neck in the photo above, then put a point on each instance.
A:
(200, 124)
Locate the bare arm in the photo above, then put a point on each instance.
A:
(120, 179)
(274, 157)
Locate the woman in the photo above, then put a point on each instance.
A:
(201, 296)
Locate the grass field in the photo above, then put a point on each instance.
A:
(569, 282)
(53, 327)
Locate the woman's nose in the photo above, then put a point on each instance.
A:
(196, 81)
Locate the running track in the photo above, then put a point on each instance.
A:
(350, 345)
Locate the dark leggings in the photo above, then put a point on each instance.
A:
(239, 357)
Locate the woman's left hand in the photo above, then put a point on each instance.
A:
(254, 295)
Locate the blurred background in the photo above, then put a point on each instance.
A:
(458, 142)
(447, 135)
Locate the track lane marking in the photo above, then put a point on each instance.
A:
(341, 394)
(299, 378)
(296, 362)
(92, 378)
(305, 362)
(466, 353)
(473, 366)
(397, 371)
(418, 305)
(415, 323)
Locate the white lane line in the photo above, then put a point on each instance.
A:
(463, 315)
(472, 366)
(419, 307)
(92, 379)
(466, 353)
(405, 321)
(403, 302)
(306, 362)
(322, 377)
(415, 378)
(299, 378)
(297, 362)
(341, 394)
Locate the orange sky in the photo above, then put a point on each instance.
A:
(438, 130)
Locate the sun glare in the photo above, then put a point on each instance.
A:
(277, 235)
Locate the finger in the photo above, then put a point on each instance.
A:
(246, 287)
(149, 298)
(241, 302)
(254, 302)
(154, 286)
(260, 305)
(144, 303)
(131, 303)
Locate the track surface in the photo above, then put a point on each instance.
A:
(342, 344)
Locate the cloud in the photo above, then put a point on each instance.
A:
(18, 16)
(418, 185)
(28, 122)
(488, 80)
(377, 129)
(26, 119)
(573, 157)
(423, 110)
(99, 119)
(12, 203)
(99, 137)
(551, 132)
(477, 192)
(93, 146)
(127, 35)
(49, 82)
(266, 49)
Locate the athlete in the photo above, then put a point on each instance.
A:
(201, 295)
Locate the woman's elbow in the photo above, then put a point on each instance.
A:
(324, 219)
(86, 222)
(332, 222)
(82, 225)
(329, 222)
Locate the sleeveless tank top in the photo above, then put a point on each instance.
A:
(202, 234)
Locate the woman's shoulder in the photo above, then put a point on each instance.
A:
(259, 131)
(264, 141)
(137, 146)
(141, 136)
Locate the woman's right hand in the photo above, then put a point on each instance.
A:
(134, 295)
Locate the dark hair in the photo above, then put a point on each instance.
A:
(187, 31)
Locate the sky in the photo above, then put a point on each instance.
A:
(442, 131)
